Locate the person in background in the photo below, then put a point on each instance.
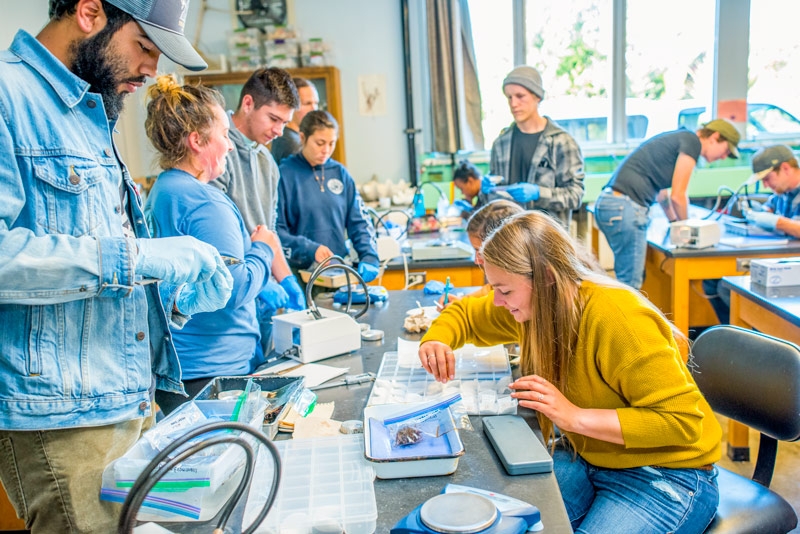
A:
(266, 104)
(777, 167)
(467, 178)
(657, 170)
(289, 143)
(541, 164)
(482, 223)
(318, 202)
(637, 439)
(84, 344)
(188, 127)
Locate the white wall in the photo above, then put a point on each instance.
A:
(30, 15)
(364, 37)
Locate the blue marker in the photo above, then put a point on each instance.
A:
(447, 287)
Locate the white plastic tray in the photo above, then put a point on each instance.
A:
(482, 377)
(412, 465)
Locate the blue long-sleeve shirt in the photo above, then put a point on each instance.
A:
(226, 341)
(316, 206)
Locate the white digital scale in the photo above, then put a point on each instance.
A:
(462, 509)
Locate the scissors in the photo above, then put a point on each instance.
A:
(228, 260)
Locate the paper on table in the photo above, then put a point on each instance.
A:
(316, 373)
(323, 410)
(407, 353)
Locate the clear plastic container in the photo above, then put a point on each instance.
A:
(325, 484)
(482, 377)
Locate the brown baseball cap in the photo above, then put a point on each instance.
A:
(727, 131)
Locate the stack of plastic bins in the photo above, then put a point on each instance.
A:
(195, 489)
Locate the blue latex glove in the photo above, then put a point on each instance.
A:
(487, 186)
(177, 260)
(296, 295)
(368, 272)
(434, 287)
(208, 295)
(463, 204)
(764, 219)
(523, 192)
(273, 296)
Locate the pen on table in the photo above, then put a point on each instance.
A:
(446, 290)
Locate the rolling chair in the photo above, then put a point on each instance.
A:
(752, 378)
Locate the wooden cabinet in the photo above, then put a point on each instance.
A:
(325, 79)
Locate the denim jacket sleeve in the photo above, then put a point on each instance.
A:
(47, 254)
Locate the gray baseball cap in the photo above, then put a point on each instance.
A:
(766, 159)
(163, 22)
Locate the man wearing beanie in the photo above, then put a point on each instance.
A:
(658, 169)
(541, 164)
(777, 166)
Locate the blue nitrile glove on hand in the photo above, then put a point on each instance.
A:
(208, 295)
(296, 295)
(274, 296)
(434, 287)
(523, 192)
(765, 219)
(368, 272)
(463, 204)
(487, 186)
(177, 260)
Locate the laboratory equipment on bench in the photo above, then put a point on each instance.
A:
(438, 249)
(315, 334)
(694, 233)
(468, 509)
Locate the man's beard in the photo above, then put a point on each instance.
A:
(97, 64)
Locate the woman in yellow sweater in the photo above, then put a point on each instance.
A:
(638, 440)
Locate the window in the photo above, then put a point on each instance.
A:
(494, 52)
(669, 63)
(773, 68)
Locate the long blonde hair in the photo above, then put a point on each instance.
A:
(535, 245)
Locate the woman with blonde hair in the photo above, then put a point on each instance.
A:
(189, 128)
(599, 362)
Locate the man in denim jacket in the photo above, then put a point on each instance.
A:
(84, 342)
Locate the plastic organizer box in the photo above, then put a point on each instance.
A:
(195, 489)
(326, 486)
(482, 377)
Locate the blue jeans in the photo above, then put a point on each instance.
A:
(624, 223)
(640, 500)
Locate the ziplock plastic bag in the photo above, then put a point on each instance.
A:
(434, 419)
